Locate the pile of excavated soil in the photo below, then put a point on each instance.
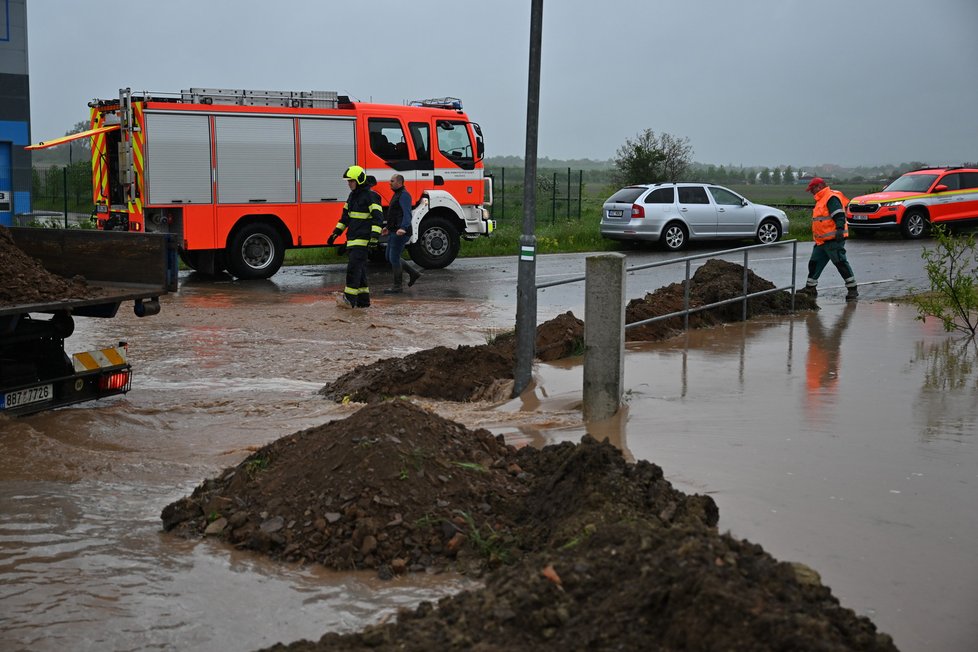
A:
(717, 280)
(602, 553)
(631, 586)
(395, 488)
(25, 281)
(465, 373)
(485, 372)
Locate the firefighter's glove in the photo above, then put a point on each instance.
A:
(331, 239)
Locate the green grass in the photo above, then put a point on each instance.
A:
(557, 236)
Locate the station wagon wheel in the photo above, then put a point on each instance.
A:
(914, 224)
(674, 236)
(769, 231)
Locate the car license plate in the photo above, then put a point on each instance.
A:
(858, 218)
(615, 213)
(27, 396)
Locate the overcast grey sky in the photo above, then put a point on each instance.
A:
(749, 82)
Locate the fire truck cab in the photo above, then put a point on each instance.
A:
(240, 176)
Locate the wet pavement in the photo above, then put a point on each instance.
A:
(845, 439)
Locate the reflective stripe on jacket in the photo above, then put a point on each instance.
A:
(824, 225)
(362, 217)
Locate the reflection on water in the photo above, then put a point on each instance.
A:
(948, 398)
(823, 359)
(825, 462)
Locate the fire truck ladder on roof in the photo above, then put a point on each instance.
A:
(287, 99)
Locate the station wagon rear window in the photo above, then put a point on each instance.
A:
(661, 196)
(625, 196)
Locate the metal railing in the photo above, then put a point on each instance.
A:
(687, 311)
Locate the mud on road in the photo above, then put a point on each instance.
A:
(577, 547)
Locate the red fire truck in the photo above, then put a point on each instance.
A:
(240, 176)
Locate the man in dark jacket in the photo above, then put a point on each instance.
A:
(362, 217)
(398, 232)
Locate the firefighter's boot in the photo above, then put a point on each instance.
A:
(852, 294)
(413, 272)
(398, 285)
(809, 290)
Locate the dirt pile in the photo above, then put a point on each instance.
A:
(603, 554)
(394, 488)
(716, 280)
(485, 372)
(631, 586)
(25, 281)
(466, 373)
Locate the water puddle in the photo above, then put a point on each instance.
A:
(844, 439)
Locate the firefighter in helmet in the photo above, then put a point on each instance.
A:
(362, 218)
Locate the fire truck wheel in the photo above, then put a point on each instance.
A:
(438, 243)
(255, 251)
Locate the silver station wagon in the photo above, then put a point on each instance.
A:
(675, 213)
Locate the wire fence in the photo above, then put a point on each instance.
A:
(560, 194)
(61, 195)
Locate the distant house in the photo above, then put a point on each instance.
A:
(805, 178)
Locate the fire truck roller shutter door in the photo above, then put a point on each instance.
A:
(255, 159)
(178, 158)
(328, 146)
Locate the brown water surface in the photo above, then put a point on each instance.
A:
(844, 439)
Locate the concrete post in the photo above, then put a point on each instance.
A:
(604, 335)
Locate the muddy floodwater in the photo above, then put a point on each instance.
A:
(846, 439)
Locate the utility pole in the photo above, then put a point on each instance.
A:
(526, 291)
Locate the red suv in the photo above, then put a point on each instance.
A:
(916, 200)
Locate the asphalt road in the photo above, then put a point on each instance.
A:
(884, 267)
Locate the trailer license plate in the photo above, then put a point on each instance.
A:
(27, 396)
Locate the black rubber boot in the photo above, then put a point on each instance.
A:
(852, 294)
(809, 290)
(398, 286)
(413, 272)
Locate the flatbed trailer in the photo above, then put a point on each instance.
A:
(35, 371)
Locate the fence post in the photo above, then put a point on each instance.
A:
(502, 201)
(553, 200)
(604, 335)
(580, 192)
(568, 194)
(65, 184)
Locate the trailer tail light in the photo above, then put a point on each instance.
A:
(115, 381)
(638, 211)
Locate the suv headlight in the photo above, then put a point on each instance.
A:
(887, 204)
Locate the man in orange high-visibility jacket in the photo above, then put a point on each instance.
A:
(830, 231)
